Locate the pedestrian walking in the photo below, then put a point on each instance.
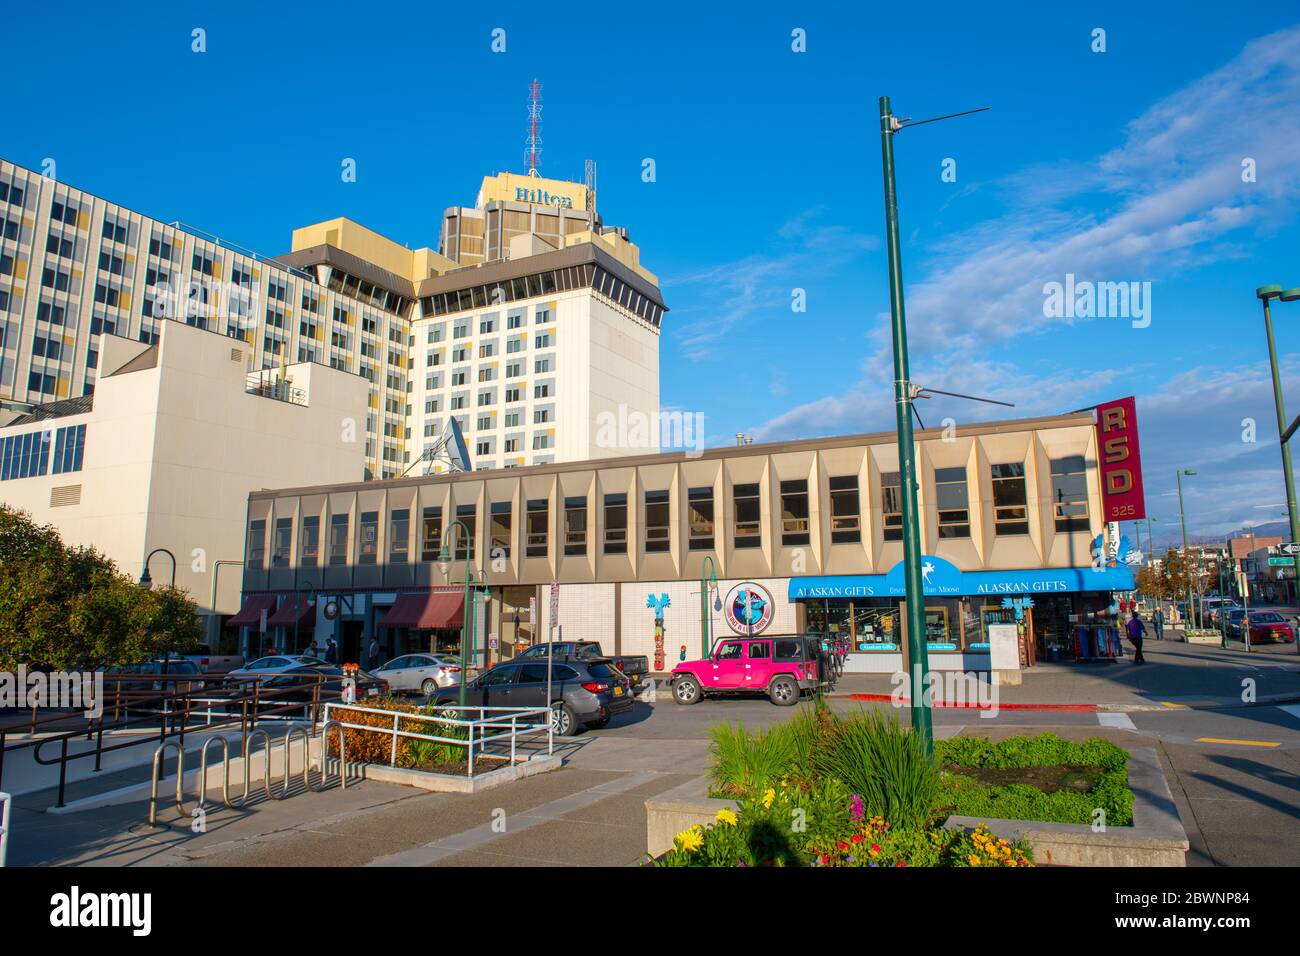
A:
(372, 655)
(1136, 631)
(331, 652)
(1158, 621)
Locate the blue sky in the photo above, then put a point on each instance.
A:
(1114, 166)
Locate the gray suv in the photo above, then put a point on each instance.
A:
(583, 693)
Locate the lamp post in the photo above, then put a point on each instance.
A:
(708, 578)
(216, 572)
(444, 565)
(481, 583)
(1265, 294)
(1186, 557)
(146, 579)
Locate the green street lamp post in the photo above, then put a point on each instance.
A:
(1186, 556)
(466, 614)
(147, 581)
(708, 580)
(1266, 294)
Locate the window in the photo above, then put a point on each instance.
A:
(536, 528)
(399, 536)
(1010, 506)
(616, 524)
(486, 325)
(794, 512)
(953, 502)
(846, 515)
(368, 542)
(542, 391)
(512, 395)
(544, 315)
(891, 505)
(542, 340)
(467, 515)
(256, 544)
(501, 527)
(309, 541)
(542, 441)
(575, 525)
(656, 521)
(338, 539)
(431, 534)
(747, 504)
(700, 519)
(1070, 494)
(541, 416)
(283, 535)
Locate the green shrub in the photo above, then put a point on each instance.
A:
(373, 746)
(885, 763)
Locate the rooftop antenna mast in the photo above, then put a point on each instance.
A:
(591, 195)
(534, 151)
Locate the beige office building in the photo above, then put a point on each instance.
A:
(166, 451)
(800, 535)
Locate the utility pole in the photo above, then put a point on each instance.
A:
(1186, 559)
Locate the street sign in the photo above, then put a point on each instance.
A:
(532, 612)
(1289, 548)
(1281, 562)
(555, 603)
(493, 641)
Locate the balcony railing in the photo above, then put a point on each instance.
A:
(271, 386)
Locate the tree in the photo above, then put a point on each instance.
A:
(1151, 582)
(70, 608)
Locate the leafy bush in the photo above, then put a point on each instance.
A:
(746, 763)
(422, 752)
(873, 755)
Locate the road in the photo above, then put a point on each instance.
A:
(1234, 771)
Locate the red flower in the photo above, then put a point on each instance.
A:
(843, 845)
(857, 838)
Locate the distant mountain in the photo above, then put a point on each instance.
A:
(1274, 529)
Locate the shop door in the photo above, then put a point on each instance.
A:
(350, 642)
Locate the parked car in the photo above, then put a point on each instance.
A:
(582, 692)
(1270, 626)
(782, 666)
(635, 666)
(215, 664)
(176, 674)
(419, 672)
(274, 664)
(1235, 616)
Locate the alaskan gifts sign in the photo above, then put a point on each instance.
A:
(1120, 461)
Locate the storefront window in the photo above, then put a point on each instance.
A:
(1010, 506)
(891, 506)
(877, 624)
(846, 516)
(953, 501)
(701, 519)
(794, 512)
(1070, 494)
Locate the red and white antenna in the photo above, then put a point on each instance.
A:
(534, 151)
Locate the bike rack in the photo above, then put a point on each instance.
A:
(180, 780)
(290, 735)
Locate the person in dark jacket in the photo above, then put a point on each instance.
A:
(1158, 622)
(1136, 631)
(331, 652)
(372, 655)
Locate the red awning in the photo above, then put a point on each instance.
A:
(250, 615)
(426, 609)
(295, 608)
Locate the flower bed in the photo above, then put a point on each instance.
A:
(821, 790)
(376, 746)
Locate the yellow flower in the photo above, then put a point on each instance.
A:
(768, 797)
(973, 860)
(726, 816)
(690, 840)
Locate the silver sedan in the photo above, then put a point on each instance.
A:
(419, 672)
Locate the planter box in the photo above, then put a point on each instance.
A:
(454, 783)
(1203, 637)
(1156, 838)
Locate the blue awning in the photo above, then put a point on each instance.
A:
(942, 578)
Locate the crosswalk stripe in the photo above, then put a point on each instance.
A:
(1121, 721)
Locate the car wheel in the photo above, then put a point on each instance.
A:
(783, 692)
(563, 721)
(430, 687)
(686, 690)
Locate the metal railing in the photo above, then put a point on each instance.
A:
(5, 801)
(479, 731)
(271, 386)
(167, 713)
(291, 734)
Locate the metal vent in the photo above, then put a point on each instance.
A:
(65, 495)
(236, 355)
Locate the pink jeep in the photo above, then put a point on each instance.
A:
(782, 665)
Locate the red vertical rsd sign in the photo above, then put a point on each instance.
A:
(1121, 461)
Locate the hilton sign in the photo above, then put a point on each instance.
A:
(1121, 461)
(543, 197)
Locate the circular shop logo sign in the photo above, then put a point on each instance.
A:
(748, 608)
